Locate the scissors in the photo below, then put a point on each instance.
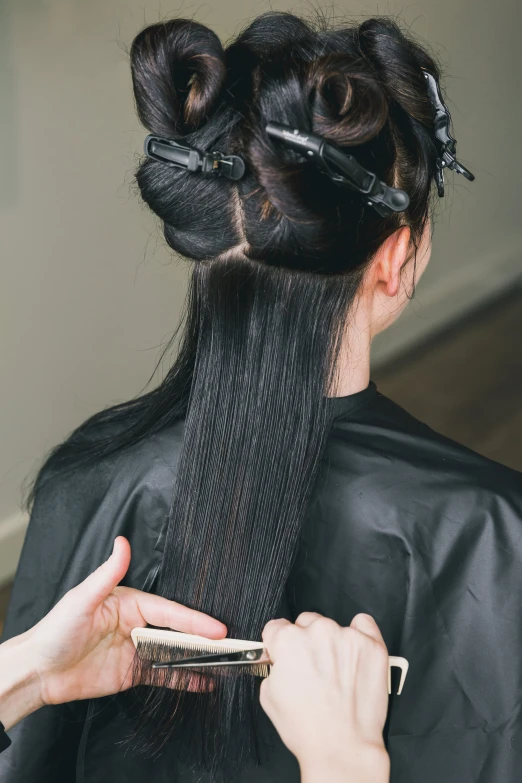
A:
(260, 655)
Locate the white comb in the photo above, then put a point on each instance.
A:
(165, 642)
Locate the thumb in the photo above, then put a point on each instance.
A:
(95, 589)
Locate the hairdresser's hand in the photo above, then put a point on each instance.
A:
(327, 696)
(82, 648)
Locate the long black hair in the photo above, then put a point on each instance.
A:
(278, 260)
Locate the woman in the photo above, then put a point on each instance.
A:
(266, 476)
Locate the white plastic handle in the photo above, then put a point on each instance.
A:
(403, 665)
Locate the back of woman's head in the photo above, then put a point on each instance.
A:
(361, 87)
(279, 256)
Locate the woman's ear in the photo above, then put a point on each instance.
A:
(389, 260)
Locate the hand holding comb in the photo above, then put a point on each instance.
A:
(168, 650)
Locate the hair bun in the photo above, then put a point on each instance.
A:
(396, 61)
(348, 105)
(178, 70)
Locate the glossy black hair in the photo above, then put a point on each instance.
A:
(278, 259)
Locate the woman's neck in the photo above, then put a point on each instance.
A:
(353, 372)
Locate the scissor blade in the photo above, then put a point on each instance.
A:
(215, 659)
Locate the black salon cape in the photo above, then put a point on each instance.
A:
(418, 531)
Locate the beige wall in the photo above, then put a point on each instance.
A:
(88, 291)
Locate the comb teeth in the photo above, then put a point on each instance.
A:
(161, 646)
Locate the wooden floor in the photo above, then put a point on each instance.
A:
(465, 383)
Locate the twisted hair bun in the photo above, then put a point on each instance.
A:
(396, 61)
(178, 71)
(348, 105)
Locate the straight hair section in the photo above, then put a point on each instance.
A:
(255, 429)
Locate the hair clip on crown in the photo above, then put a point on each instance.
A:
(447, 156)
(342, 168)
(209, 164)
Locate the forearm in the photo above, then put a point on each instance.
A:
(20, 692)
(360, 765)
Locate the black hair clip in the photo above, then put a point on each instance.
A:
(181, 156)
(342, 168)
(447, 157)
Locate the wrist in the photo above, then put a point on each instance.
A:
(356, 763)
(20, 685)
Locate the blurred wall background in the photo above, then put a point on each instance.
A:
(88, 290)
